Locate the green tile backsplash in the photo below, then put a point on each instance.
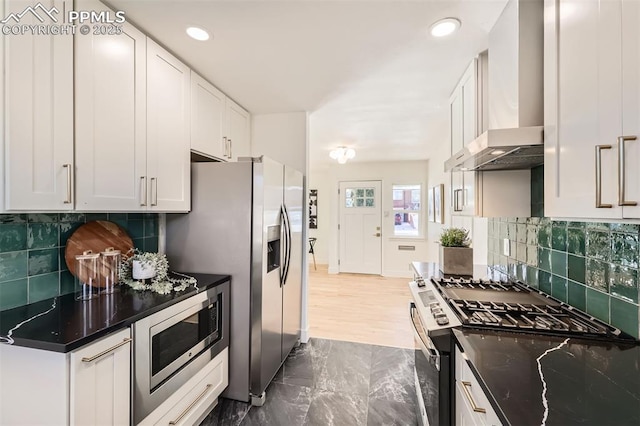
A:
(592, 266)
(32, 265)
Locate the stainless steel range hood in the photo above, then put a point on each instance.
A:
(515, 89)
(501, 149)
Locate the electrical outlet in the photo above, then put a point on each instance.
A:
(506, 247)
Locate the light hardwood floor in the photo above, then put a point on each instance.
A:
(360, 308)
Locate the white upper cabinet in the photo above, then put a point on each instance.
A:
(463, 113)
(168, 131)
(207, 119)
(38, 83)
(631, 105)
(111, 132)
(456, 125)
(591, 108)
(468, 88)
(238, 122)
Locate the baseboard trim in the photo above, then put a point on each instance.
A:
(397, 274)
(304, 335)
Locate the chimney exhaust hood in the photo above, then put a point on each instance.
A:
(515, 89)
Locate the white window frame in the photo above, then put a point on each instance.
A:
(421, 215)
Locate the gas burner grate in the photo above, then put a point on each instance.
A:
(526, 317)
(478, 284)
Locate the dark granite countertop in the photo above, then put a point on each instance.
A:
(587, 382)
(63, 324)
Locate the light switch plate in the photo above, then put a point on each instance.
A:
(506, 247)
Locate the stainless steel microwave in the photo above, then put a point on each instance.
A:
(172, 345)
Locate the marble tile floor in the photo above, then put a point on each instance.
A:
(330, 382)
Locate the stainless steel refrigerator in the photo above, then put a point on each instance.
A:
(246, 220)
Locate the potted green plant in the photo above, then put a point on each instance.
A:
(456, 257)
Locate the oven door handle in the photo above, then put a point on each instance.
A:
(426, 344)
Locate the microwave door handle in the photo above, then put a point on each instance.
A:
(425, 345)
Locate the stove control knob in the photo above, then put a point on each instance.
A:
(434, 305)
(443, 320)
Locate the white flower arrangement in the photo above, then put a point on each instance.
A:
(161, 283)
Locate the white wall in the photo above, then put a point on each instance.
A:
(282, 137)
(478, 227)
(319, 179)
(394, 261)
(439, 154)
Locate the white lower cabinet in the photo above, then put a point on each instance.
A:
(190, 404)
(100, 376)
(472, 405)
(88, 386)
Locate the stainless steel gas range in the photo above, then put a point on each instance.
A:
(440, 304)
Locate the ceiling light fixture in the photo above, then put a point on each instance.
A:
(342, 154)
(444, 27)
(497, 152)
(197, 33)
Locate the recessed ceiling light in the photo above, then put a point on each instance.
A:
(497, 152)
(198, 33)
(444, 27)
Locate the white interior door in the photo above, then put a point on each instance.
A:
(360, 227)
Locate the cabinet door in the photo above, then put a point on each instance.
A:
(207, 118)
(456, 139)
(631, 103)
(582, 107)
(464, 412)
(168, 131)
(39, 113)
(238, 131)
(111, 119)
(469, 87)
(100, 381)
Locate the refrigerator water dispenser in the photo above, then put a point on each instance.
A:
(273, 248)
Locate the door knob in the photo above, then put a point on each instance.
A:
(377, 234)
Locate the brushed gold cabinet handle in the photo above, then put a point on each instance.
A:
(622, 171)
(186, 410)
(377, 234)
(143, 190)
(456, 203)
(111, 349)
(230, 148)
(226, 148)
(69, 184)
(466, 386)
(154, 191)
(599, 204)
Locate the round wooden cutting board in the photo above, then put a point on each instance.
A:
(96, 236)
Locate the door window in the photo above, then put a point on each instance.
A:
(360, 197)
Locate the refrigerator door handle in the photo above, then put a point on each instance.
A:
(288, 251)
(283, 239)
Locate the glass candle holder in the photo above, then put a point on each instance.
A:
(87, 275)
(110, 265)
